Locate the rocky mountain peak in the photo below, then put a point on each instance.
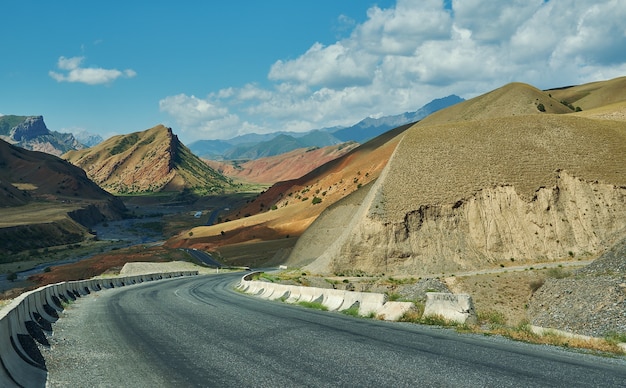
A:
(30, 128)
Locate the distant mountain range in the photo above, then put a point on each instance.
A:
(254, 146)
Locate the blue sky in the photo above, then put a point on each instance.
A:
(220, 69)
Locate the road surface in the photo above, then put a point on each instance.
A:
(203, 257)
(198, 331)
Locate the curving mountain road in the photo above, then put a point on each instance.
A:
(200, 332)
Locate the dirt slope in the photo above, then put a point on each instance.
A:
(287, 208)
(470, 188)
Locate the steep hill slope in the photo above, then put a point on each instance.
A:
(287, 208)
(47, 201)
(30, 132)
(281, 167)
(150, 161)
(591, 302)
(487, 181)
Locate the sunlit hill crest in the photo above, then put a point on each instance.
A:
(153, 160)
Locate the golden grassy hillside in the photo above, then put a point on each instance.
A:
(485, 182)
(439, 164)
(514, 99)
(592, 95)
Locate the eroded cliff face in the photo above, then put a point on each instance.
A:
(573, 219)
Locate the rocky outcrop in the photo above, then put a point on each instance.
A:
(29, 129)
(592, 301)
(573, 218)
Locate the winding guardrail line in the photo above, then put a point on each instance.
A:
(29, 317)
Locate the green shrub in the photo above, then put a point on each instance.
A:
(352, 311)
(614, 337)
(494, 318)
(314, 305)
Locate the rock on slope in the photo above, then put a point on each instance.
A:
(484, 181)
(590, 302)
(149, 161)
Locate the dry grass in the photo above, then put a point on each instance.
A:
(525, 334)
(493, 323)
(594, 94)
(445, 163)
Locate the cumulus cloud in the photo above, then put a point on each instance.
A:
(73, 72)
(335, 65)
(404, 56)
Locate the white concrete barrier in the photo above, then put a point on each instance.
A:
(294, 295)
(29, 316)
(393, 311)
(452, 307)
(333, 299)
(371, 302)
(309, 294)
(339, 300)
(350, 298)
(280, 291)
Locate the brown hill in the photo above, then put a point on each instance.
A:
(592, 95)
(150, 161)
(47, 201)
(513, 99)
(485, 182)
(289, 207)
(290, 165)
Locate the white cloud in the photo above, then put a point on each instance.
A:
(73, 72)
(335, 65)
(190, 110)
(402, 57)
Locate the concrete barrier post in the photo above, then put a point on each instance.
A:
(452, 307)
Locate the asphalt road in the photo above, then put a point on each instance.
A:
(203, 257)
(200, 332)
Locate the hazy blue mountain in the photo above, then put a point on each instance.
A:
(369, 128)
(281, 144)
(88, 139)
(254, 145)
